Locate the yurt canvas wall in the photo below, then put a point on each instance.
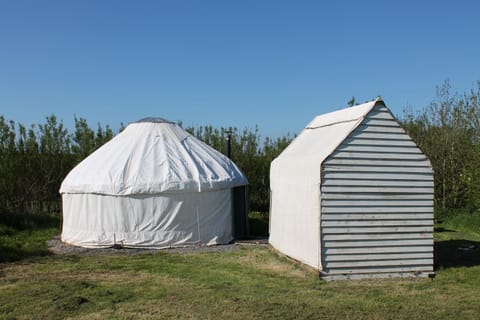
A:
(352, 196)
(153, 185)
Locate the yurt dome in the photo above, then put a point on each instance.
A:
(152, 185)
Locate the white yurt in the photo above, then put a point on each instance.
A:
(152, 185)
(352, 196)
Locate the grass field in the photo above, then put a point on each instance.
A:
(248, 282)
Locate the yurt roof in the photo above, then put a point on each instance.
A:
(150, 156)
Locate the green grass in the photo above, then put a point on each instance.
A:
(24, 235)
(457, 241)
(251, 282)
(460, 219)
(465, 221)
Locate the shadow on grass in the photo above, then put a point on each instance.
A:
(29, 221)
(258, 224)
(457, 253)
(24, 236)
(12, 254)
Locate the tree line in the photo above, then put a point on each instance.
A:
(34, 160)
(448, 132)
(250, 153)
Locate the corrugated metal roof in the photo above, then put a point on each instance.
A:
(376, 222)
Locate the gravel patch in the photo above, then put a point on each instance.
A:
(57, 247)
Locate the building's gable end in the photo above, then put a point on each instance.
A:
(377, 203)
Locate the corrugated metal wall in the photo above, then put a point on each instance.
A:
(377, 204)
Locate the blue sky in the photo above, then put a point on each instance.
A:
(275, 64)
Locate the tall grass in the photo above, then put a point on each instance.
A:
(460, 219)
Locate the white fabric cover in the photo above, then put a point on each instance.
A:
(150, 158)
(153, 185)
(295, 179)
(161, 220)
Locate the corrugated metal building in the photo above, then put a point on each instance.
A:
(352, 196)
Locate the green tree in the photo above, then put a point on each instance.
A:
(249, 153)
(103, 135)
(56, 161)
(447, 131)
(7, 162)
(34, 161)
(83, 138)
